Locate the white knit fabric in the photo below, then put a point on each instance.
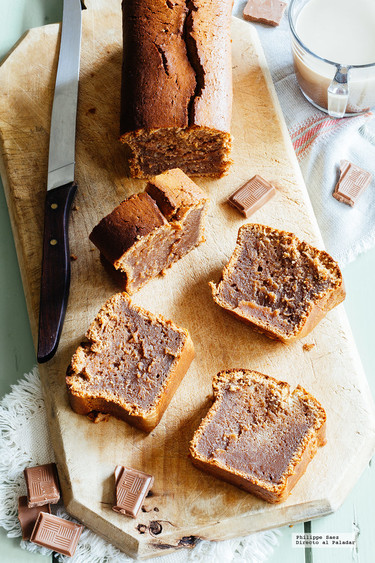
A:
(25, 442)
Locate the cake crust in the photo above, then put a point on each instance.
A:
(134, 218)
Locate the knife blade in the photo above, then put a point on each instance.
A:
(61, 187)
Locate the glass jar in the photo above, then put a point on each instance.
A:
(337, 88)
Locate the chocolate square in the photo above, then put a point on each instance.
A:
(268, 12)
(42, 485)
(28, 516)
(252, 196)
(132, 487)
(352, 183)
(56, 533)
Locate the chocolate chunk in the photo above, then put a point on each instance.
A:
(42, 485)
(268, 12)
(28, 516)
(252, 196)
(56, 533)
(352, 182)
(132, 487)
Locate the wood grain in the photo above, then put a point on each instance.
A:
(186, 503)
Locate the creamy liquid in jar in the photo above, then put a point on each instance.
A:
(342, 31)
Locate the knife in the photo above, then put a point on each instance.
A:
(61, 187)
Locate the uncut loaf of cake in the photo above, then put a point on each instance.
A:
(258, 435)
(150, 231)
(279, 285)
(176, 94)
(130, 366)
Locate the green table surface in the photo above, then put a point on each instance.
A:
(18, 356)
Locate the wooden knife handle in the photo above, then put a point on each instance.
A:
(55, 281)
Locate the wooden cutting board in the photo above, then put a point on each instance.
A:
(185, 504)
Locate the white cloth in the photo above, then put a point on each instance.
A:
(320, 143)
(25, 442)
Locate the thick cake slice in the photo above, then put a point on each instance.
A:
(278, 284)
(131, 365)
(176, 96)
(258, 435)
(150, 231)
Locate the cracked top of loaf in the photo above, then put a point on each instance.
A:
(177, 68)
(129, 360)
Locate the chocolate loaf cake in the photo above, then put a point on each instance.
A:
(258, 435)
(131, 365)
(150, 231)
(176, 95)
(278, 284)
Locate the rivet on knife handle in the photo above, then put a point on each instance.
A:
(54, 289)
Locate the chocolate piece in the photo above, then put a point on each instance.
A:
(42, 484)
(132, 487)
(352, 183)
(28, 516)
(268, 12)
(252, 196)
(56, 533)
(98, 417)
(258, 434)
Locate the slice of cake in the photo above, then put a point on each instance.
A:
(258, 435)
(131, 365)
(151, 230)
(278, 284)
